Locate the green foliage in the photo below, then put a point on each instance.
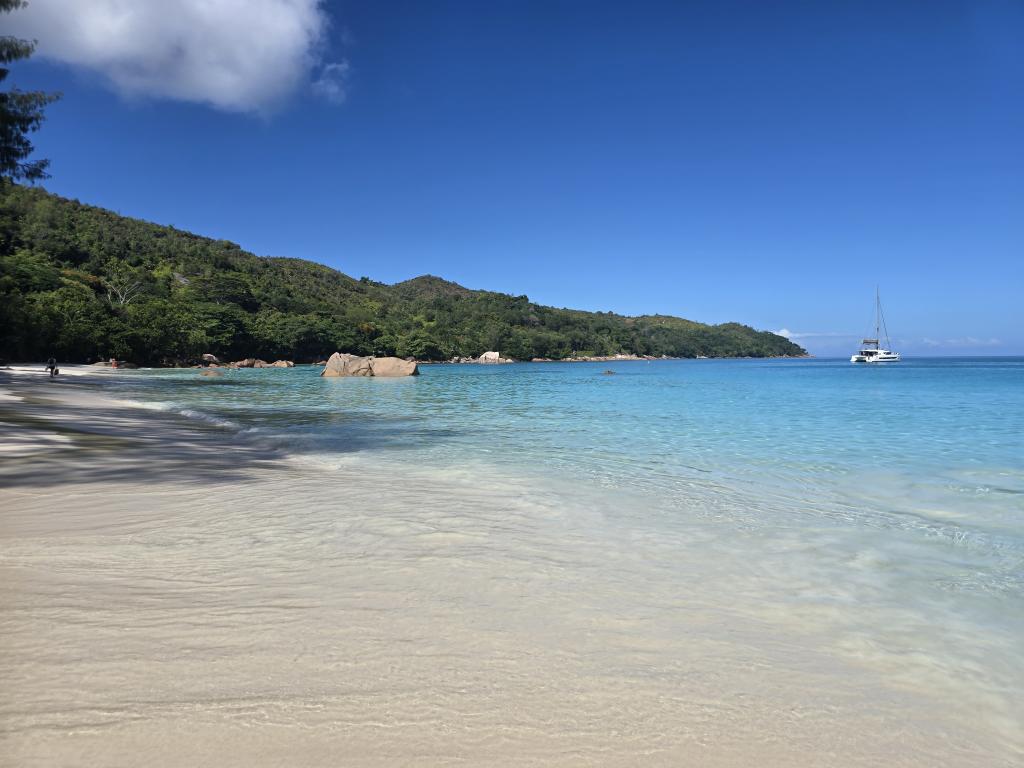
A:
(81, 282)
(21, 112)
(28, 271)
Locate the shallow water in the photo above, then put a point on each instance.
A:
(793, 561)
(929, 447)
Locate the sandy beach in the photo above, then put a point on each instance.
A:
(301, 485)
(176, 594)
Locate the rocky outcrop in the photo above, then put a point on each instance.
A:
(493, 357)
(208, 358)
(393, 366)
(341, 364)
(110, 364)
(252, 362)
(352, 365)
(486, 358)
(608, 358)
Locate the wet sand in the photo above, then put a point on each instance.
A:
(172, 594)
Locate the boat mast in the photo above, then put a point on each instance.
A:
(878, 313)
(881, 319)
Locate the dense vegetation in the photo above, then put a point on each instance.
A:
(83, 283)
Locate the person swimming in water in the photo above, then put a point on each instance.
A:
(51, 366)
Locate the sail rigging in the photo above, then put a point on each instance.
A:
(871, 349)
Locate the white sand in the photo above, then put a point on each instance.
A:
(173, 596)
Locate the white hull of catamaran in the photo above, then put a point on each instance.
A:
(890, 358)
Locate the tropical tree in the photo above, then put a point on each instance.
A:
(21, 112)
(123, 283)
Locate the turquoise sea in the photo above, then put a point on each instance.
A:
(873, 512)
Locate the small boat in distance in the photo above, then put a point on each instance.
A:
(871, 350)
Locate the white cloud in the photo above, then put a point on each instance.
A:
(236, 55)
(332, 84)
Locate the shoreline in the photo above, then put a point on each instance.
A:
(169, 582)
(71, 430)
(81, 369)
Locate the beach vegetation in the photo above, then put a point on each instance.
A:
(85, 283)
(21, 112)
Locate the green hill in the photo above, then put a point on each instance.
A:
(83, 283)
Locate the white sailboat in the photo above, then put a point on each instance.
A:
(871, 350)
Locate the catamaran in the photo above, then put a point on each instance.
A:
(871, 350)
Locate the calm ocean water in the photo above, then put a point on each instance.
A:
(935, 445)
(878, 510)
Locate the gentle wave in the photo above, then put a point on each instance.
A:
(189, 413)
(732, 543)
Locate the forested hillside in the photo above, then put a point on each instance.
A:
(83, 283)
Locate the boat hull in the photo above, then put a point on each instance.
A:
(888, 358)
(872, 350)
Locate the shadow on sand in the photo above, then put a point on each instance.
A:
(68, 431)
(56, 436)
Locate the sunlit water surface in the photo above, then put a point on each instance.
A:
(842, 523)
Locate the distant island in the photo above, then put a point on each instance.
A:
(83, 283)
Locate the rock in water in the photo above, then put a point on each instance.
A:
(211, 372)
(282, 364)
(493, 357)
(347, 365)
(393, 366)
(353, 365)
(208, 358)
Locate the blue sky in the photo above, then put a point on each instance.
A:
(767, 163)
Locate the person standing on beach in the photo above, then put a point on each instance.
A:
(51, 366)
